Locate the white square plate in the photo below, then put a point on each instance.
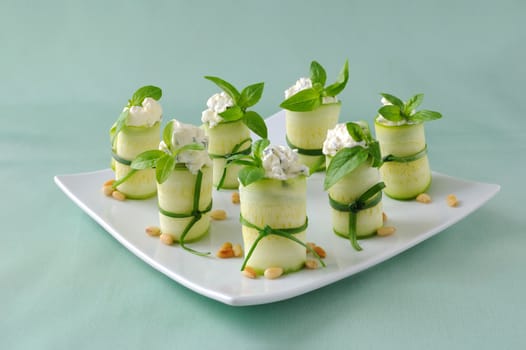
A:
(220, 279)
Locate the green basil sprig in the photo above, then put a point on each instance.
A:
(399, 111)
(252, 169)
(348, 159)
(136, 100)
(165, 161)
(248, 97)
(311, 98)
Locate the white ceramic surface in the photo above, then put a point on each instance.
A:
(220, 279)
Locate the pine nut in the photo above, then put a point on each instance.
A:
(167, 239)
(153, 231)
(110, 182)
(249, 272)
(311, 264)
(218, 214)
(423, 198)
(273, 272)
(235, 197)
(225, 253)
(238, 251)
(311, 245)
(107, 190)
(452, 200)
(320, 251)
(118, 195)
(385, 231)
(226, 245)
(384, 217)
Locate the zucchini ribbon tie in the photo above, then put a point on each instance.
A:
(306, 152)
(235, 151)
(406, 159)
(196, 214)
(367, 200)
(122, 161)
(282, 232)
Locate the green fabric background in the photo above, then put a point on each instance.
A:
(68, 67)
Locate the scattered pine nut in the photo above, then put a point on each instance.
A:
(385, 231)
(423, 198)
(311, 245)
(118, 195)
(452, 200)
(384, 217)
(167, 239)
(226, 245)
(153, 231)
(238, 251)
(273, 272)
(110, 182)
(249, 272)
(225, 253)
(311, 264)
(235, 197)
(218, 214)
(107, 190)
(320, 251)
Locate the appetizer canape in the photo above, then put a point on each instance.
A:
(228, 122)
(400, 131)
(353, 181)
(135, 131)
(311, 108)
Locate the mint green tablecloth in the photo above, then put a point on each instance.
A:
(68, 67)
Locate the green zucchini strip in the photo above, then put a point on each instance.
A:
(306, 152)
(235, 151)
(406, 159)
(283, 232)
(196, 214)
(367, 200)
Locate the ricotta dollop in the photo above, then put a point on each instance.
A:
(149, 113)
(338, 138)
(282, 163)
(184, 134)
(216, 104)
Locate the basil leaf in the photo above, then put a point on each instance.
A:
(256, 123)
(250, 174)
(232, 114)
(303, 101)
(118, 125)
(241, 161)
(393, 100)
(425, 115)
(143, 92)
(147, 160)
(168, 133)
(258, 147)
(356, 131)
(345, 161)
(376, 155)
(317, 74)
(226, 87)
(250, 95)
(391, 112)
(189, 147)
(165, 166)
(413, 103)
(338, 86)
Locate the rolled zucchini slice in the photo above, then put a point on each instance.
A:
(130, 142)
(227, 139)
(185, 201)
(274, 205)
(405, 171)
(348, 190)
(306, 132)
